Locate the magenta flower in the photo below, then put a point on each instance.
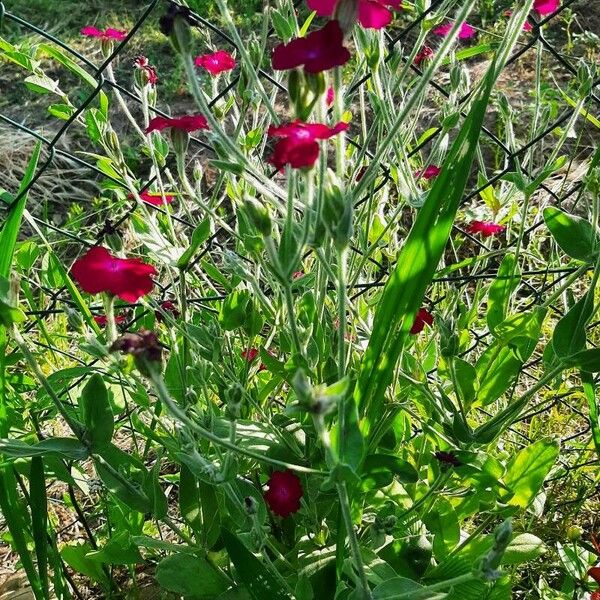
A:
(466, 31)
(154, 198)
(187, 123)
(372, 14)
(485, 228)
(99, 271)
(429, 173)
(285, 491)
(330, 97)
(318, 51)
(424, 55)
(108, 34)
(546, 7)
(167, 306)
(142, 64)
(298, 145)
(422, 318)
(216, 63)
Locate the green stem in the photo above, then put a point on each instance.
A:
(75, 427)
(111, 323)
(341, 285)
(353, 540)
(178, 414)
(183, 306)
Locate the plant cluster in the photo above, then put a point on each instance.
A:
(292, 361)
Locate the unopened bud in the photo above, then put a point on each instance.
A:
(258, 215)
(74, 319)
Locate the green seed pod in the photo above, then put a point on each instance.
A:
(74, 319)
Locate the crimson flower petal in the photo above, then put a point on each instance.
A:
(115, 34)
(298, 146)
(422, 318)
(99, 271)
(429, 173)
(285, 491)
(156, 198)
(108, 34)
(466, 31)
(324, 8)
(318, 51)
(594, 573)
(187, 123)
(546, 7)
(485, 228)
(216, 62)
(373, 15)
(425, 54)
(91, 31)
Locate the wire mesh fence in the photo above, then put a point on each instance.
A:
(537, 284)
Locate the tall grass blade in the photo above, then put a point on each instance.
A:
(423, 249)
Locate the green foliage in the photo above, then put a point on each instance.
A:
(330, 391)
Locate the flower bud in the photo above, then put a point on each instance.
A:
(337, 212)
(145, 348)
(258, 215)
(488, 567)
(106, 46)
(74, 319)
(233, 397)
(198, 171)
(316, 83)
(449, 341)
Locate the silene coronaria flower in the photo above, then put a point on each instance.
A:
(167, 307)
(372, 14)
(99, 271)
(216, 62)
(107, 34)
(485, 228)
(187, 123)
(318, 51)
(298, 146)
(546, 7)
(466, 31)
(285, 491)
(422, 318)
(147, 73)
(429, 172)
(154, 198)
(250, 356)
(102, 320)
(424, 55)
